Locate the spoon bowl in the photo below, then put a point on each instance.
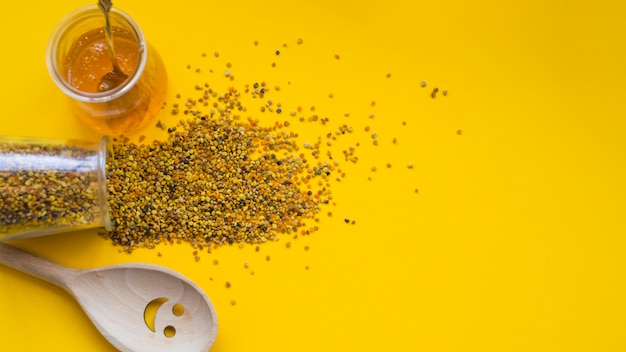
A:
(136, 307)
(112, 79)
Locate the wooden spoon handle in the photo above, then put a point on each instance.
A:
(36, 266)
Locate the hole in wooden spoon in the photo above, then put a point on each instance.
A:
(149, 314)
(178, 310)
(169, 331)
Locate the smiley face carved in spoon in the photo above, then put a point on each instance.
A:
(136, 307)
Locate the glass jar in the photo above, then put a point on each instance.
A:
(78, 58)
(52, 186)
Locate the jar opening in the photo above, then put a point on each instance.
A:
(73, 32)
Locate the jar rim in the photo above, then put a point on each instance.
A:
(104, 151)
(66, 87)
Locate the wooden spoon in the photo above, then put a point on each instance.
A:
(137, 307)
(116, 77)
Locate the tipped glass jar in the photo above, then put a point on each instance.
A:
(52, 186)
(78, 59)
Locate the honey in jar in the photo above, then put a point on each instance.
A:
(78, 59)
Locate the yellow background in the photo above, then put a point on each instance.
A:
(515, 241)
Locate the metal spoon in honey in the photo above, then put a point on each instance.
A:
(116, 77)
(136, 307)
